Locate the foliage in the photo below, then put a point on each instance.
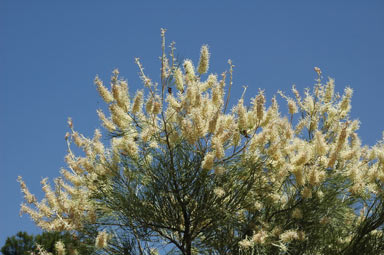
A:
(19, 244)
(185, 174)
(23, 244)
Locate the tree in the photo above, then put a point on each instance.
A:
(185, 174)
(19, 244)
(23, 244)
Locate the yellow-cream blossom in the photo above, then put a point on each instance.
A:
(101, 240)
(204, 60)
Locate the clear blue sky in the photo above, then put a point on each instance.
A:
(50, 51)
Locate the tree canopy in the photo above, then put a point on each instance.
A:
(19, 244)
(23, 244)
(185, 172)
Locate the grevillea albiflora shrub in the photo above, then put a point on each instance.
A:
(180, 171)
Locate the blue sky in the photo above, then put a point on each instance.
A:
(50, 52)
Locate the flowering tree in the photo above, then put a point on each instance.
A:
(185, 174)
